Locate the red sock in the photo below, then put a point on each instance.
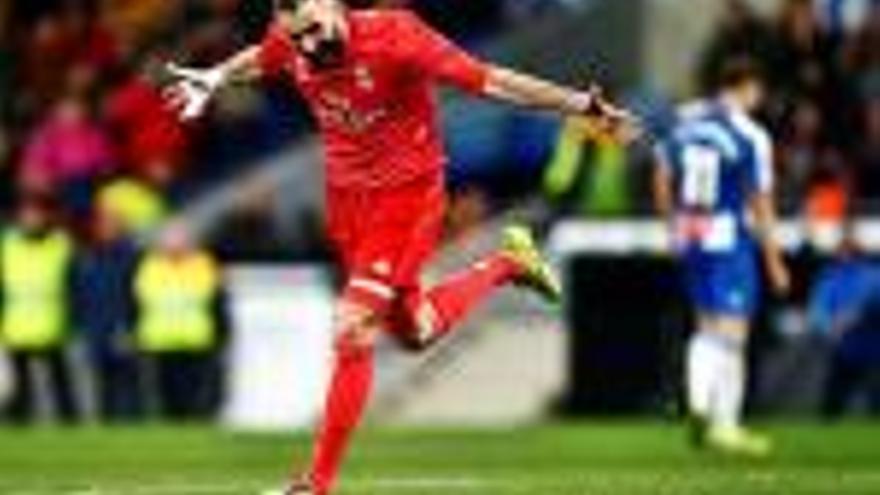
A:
(455, 297)
(346, 400)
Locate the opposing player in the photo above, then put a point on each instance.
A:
(714, 179)
(368, 77)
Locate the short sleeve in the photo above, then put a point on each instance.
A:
(762, 161)
(275, 50)
(758, 151)
(435, 56)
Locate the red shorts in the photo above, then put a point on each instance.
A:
(385, 236)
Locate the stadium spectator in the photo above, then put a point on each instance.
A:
(822, 60)
(106, 308)
(862, 56)
(842, 17)
(587, 178)
(140, 204)
(802, 140)
(147, 132)
(66, 153)
(868, 155)
(46, 54)
(36, 258)
(828, 195)
(806, 63)
(844, 308)
(741, 32)
(8, 61)
(7, 181)
(179, 324)
(807, 67)
(134, 23)
(525, 11)
(7, 64)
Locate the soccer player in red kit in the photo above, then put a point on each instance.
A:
(369, 77)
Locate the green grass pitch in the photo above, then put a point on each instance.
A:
(572, 459)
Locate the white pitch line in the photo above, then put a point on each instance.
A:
(401, 485)
(423, 483)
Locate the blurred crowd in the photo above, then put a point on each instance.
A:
(93, 170)
(81, 107)
(148, 323)
(824, 102)
(82, 116)
(821, 60)
(823, 109)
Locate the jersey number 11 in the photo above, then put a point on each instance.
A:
(702, 170)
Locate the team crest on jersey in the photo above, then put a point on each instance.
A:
(363, 78)
(341, 111)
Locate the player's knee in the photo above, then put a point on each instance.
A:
(422, 326)
(357, 328)
(724, 324)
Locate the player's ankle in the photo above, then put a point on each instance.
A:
(510, 265)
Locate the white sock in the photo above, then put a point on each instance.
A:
(703, 373)
(731, 392)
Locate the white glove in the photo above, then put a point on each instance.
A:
(193, 89)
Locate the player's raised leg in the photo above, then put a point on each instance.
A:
(427, 317)
(535, 272)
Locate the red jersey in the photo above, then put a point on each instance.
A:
(377, 113)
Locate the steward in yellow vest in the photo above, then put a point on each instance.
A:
(36, 261)
(177, 288)
(36, 281)
(140, 207)
(176, 297)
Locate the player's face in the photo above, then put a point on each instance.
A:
(317, 27)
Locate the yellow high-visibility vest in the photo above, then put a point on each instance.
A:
(175, 303)
(140, 208)
(34, 276)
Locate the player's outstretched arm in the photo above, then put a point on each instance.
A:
(529, 91)
(194, 88)
(662, 190)
(764, 213)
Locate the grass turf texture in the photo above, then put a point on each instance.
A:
(614, 458)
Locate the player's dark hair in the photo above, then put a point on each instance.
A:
(288, 4)
(738, 71)
(294, 4)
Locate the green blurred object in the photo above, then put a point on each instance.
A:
(607, 191)
(611, 458)
(590, 178)
(564, 166)
(140, 207)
